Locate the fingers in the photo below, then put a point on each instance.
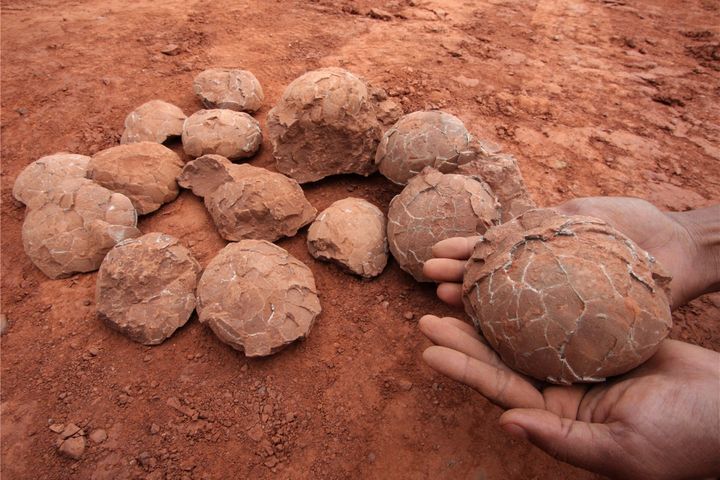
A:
(586, 445)
(444, 269)
(500, 385)
(458, 248)
(450, 293)
(458, 335)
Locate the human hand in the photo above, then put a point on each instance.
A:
(659, 421)
(686, 244)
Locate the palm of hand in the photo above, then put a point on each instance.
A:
(620, 427)
(611, 427)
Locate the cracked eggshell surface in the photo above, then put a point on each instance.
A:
(258, 204)
(46, 172)
(145, 172)
(71, 227)
(146, 287)
(229, 88)
(324, 124)
(352, 233)
(257, 297)
(153, 121)
(222, 132)
(423, 139)
(502, 173)
(566, 299)
(435, 206)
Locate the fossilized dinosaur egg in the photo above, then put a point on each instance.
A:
(435, 206)
(324, 124)
(223, 132)
(146, 287)
(229, 88)
(153, 121)
(257, 297)
(45, 173)
(566, 299)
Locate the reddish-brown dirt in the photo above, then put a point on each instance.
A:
(593, 97)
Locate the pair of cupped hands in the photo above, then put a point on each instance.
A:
(659, 421)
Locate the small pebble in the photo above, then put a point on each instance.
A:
(73, 447)
(409, 315)
(98, 435)
(4, 324)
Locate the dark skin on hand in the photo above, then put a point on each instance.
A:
(659, 421)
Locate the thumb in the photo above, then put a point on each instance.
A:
(582, 444)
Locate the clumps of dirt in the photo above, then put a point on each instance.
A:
(502, 173)
(153, 121)
(71, 227)
(324, 124)
(435, 206)
(222, 132)
(566, 299)
(257, 298)
(146, 287)
(146, 172)
(229, 88)
(423, 139)
(248, 202)
(352, 233)
(46, 172)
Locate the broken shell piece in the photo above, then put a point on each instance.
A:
(71, 227)
(423, 139)
(146, 172)
(324, 124)
(222, 132)
(229, 88)
(257, 297)
(153, 121)
(258, 204)
(566, 299)
(205, 174)
(435, 206)
(351, 232)
(146, 287)
(46, 172)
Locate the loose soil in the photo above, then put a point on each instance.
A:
(594, 97)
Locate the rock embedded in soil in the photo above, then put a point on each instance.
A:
(98, 435)
(324, 124)
(222, 132)
(424, 139)
(566, 299)
(257, 297)
(46, 172)
(352, 233)
(229, 88)
(258, 204)
(153, 121)
(146, 287)
(145, 172)
(205, 174)
(72, 447)
(435, 206)
(70, 228)
(4, 324)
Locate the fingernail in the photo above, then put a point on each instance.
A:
(515, 430)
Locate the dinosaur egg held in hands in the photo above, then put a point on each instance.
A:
(435, 206)
(257, 297)
(566, 299)
(423, 139)
(324, 124)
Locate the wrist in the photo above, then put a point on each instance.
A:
(703, 229)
